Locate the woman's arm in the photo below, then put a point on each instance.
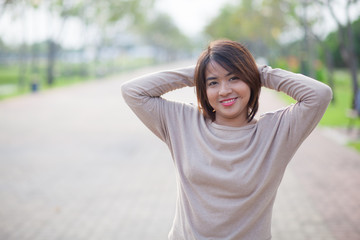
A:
(311, 95)
(143, 95)
(297, 86)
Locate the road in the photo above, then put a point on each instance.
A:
(76, 164)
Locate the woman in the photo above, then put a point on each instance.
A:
(228, 164)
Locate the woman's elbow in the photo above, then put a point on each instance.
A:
(126, 91)
(328, 94)
(325, 94)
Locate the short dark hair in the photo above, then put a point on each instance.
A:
(235, 58)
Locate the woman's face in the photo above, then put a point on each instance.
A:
(228, 95)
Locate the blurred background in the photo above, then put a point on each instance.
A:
(50, 43)
(47, 43)
(76, 163)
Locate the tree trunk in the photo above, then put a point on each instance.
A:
(23, 57)
(22, 66)
(51, 62)
(330, 67)
(346, 37)
(352, 61)
(307, 56)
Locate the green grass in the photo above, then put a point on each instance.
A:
(8, 74)
(355, 145)
(337, 112)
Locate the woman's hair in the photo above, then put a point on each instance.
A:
(235, 58)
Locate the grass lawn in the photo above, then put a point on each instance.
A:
(8, 74)
(337, 113)
(355, 145)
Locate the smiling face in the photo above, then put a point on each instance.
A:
(227, 94)
(232, 98)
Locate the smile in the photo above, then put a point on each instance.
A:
(228, 102)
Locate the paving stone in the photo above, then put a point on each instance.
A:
(77, 164)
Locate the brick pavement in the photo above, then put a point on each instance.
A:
(77, 164)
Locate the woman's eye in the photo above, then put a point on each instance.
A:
(213, 83)
(234, 78)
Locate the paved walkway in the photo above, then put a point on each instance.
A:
(76, 164)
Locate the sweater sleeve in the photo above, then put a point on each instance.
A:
(297, 120)
(143, 95)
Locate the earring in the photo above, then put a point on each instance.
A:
(213, 110)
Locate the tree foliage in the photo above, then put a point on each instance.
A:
(4, 4)
(258, 25)
(103, 17)
(162, 33)
(332, 40)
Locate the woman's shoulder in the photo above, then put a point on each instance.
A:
(181, 111)
(271, 117)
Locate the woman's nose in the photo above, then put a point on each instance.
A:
(225, 89)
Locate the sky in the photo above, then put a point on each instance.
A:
(191, 16)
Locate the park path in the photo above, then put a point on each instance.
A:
(76, 164)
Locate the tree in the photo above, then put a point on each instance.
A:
(107, 16)
(307, 50)
(161, 33)
(257, 25)
(100, 14)
(4, 4)
(346, 39)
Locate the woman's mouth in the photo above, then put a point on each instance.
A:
(228, 102)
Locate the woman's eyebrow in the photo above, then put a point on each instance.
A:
(211, 78)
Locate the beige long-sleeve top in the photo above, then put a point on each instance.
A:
(227, 177)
